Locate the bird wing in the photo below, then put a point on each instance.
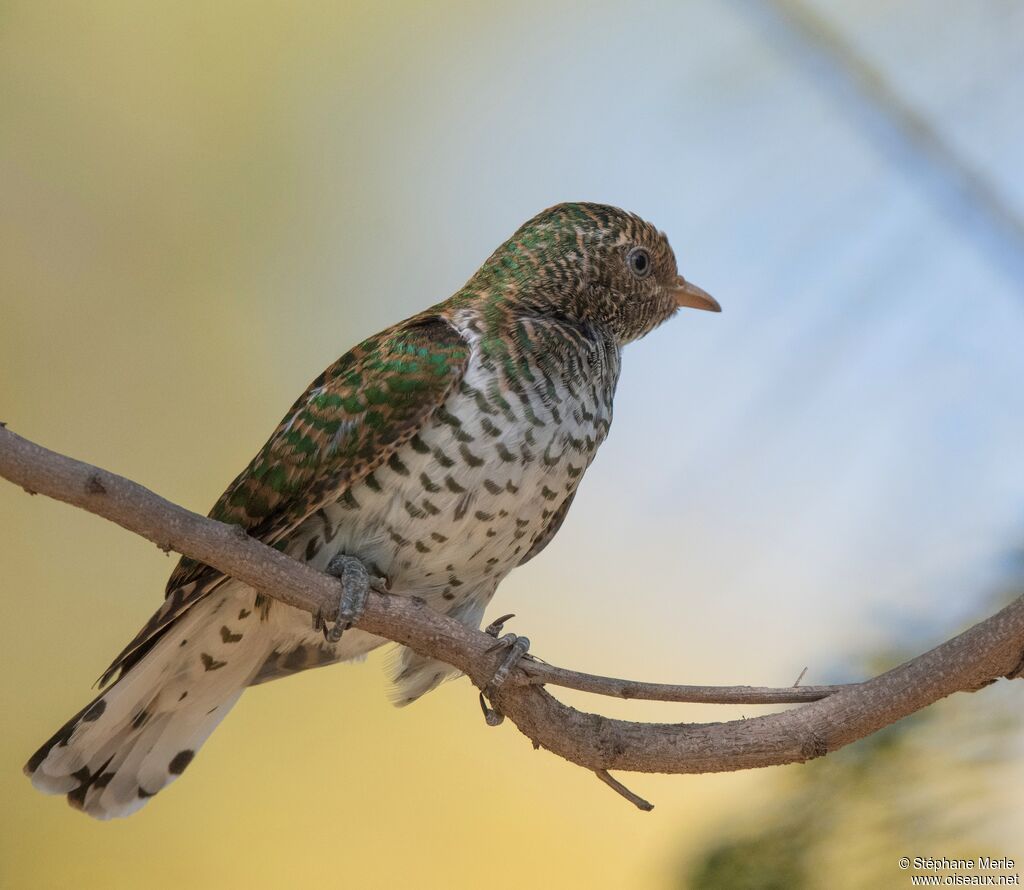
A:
(349, 421)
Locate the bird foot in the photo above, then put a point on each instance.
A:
(517, 647)
(356, 583)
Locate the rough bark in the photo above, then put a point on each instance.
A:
(830, 718)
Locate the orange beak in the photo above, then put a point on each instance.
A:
(690, 295)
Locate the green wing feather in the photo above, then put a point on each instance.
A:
(350, 420)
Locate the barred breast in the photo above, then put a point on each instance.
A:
(467, 498)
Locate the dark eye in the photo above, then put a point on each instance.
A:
(639, 262)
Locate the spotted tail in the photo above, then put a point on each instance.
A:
(138, 736)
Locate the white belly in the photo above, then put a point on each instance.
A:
(458, 507)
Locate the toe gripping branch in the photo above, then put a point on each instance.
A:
(356, 583)
(517, 647)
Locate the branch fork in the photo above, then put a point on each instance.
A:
(828, 718)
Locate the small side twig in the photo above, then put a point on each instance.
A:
(619, 788)
(535, 673)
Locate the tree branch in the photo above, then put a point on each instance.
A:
(537, 672)
(832, 717)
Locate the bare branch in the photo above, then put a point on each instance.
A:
(537, 672)
(833, 716)
(619, 788)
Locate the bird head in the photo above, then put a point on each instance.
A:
(597, 264)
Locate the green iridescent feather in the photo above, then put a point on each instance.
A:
(350, 420)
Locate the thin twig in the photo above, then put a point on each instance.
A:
(618, 787)
(534, 672)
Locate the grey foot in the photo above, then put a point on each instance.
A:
(356, 583)
(517, 647)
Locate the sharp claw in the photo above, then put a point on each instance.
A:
(494, 628)
(493, 718)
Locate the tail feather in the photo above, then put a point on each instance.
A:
(412, 675)
(140, 734)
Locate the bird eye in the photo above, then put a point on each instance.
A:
(639, 262)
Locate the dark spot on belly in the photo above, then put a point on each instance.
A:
(469, 457)
(430, 507)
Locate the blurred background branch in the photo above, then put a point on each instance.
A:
(903, 133)
(936, 781)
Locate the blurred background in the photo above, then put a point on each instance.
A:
(202, 205)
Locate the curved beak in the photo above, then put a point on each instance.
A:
(690, 295)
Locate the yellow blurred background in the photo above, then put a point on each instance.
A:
(202, 205)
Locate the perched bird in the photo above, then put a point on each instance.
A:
(430, 460)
